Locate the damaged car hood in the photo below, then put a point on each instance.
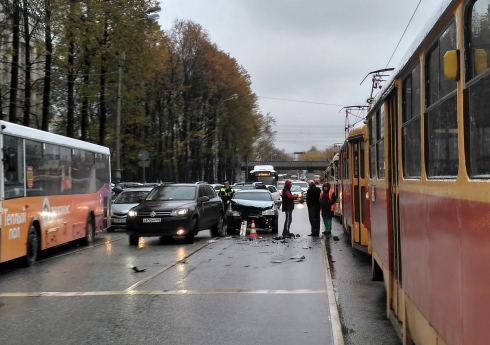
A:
(240, 204)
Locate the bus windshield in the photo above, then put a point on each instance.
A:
(265, 174)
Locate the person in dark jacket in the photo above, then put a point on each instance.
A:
(313, 203)
(287, 207)
(327, 205)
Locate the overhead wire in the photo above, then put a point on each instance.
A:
(413, 14)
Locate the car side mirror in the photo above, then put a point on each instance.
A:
(203, 199)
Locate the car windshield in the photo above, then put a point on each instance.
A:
(172, 193)
(301, 184)
(130, 197)
(253, 196)
(295, 189)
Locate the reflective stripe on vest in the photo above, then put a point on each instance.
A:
(333, 207)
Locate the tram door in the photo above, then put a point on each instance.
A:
(393, 165)
(360, 236)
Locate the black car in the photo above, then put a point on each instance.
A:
(176, 210)
(254, 204)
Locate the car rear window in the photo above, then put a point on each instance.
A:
(133, 197)
(300, 184)
(173, 193)
(253, 196)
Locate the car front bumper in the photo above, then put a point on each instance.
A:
(261, 222)
(167, 227)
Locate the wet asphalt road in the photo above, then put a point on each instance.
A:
(225, 292)
(361, 301)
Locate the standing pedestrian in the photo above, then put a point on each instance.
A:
(287, 207)
(226, 193)
(313, 203)
(327, 205)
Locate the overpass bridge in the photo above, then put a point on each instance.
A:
(287, 165)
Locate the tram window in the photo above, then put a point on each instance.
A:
(437, 86)
(477, 102)
(442, 128)
(477, 129)
(411, 139)
(478, 49)
(356, 160)
(380, 149)
(411, 149)
(363, 173)
(372, 151)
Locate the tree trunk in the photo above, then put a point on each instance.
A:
(102, 104)
(14, 76)
(86, 83)
(47, 68)
(28, 63)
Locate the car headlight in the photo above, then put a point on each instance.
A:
(132, 213)
(179, 212)
(268, 212)
(234, 213)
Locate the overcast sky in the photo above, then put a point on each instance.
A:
(315, 51)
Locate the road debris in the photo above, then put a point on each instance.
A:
(335, 238)
(137, 270)
(212, 241)
(297, 257)
(276, 261)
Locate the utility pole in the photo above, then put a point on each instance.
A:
(117, 171)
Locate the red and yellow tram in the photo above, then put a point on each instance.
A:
(354, 192)
(426, 149)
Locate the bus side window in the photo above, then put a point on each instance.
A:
(9, 160)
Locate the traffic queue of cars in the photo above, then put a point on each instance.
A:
(185, 209)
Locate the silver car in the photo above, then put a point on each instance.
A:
(275, 195)
(126, 200)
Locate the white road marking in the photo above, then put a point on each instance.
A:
(338, 337)
(161, 292)
(160, 271)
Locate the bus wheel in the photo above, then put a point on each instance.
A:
(89, 237)
(32, 246)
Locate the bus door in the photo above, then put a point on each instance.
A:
(394, 207)
(360, 236)
(14, 226)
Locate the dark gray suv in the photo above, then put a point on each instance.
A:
(177, 210)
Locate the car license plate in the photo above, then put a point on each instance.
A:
(152, 220)
(119, 220)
